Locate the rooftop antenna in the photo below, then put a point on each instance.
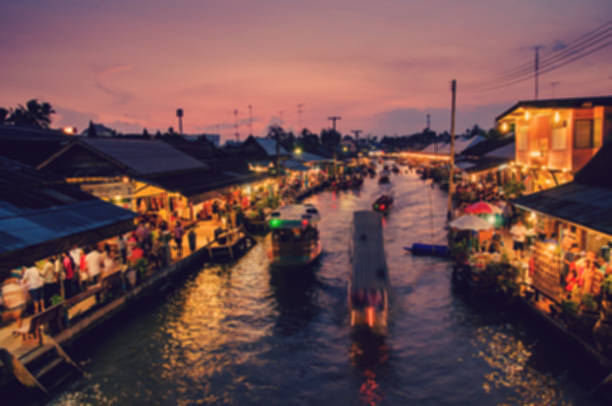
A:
(179, 114)
(236, 133)
(250, 120)
(333, 120)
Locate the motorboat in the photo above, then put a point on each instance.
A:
(383, 204)
(294, 237)
(369, 286)
(384, 177)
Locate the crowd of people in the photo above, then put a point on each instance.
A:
(467, 193)
(583, 272)
(40, 285)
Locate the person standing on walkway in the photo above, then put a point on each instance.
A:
(518, 232)
(34, 283)
(178, 238)
(94, 265)
(71, 277)
(60, 275)
(50, 286)
(122, 248)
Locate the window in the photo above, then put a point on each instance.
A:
(559, 138)
(597, 132)
(583, 134)
(522, 139)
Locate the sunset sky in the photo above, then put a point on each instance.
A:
(381, 65)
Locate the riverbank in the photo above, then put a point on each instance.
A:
(210, 338)
(507, 278)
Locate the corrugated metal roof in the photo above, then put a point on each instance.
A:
(505, 152)
(587, 201)
(460, 145)
(309, 157)
(368, 253)
(32, 227)
(40, 216)
(575, 102)
(195, 184)
(269, 146)
(144, 157)
(585, 205)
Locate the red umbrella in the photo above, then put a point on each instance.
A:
(479, 208)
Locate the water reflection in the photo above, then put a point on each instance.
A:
(294, 292)
(509, 357)
(369, 353)
(244, 335)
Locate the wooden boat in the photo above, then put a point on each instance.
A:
(369, 287)
(229, 245)
(383, 204)
(384, 177)
(294, 240)
(255, 225)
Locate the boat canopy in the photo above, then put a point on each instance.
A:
(368, 252)
(295, 215)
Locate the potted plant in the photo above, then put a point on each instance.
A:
(587, 316)
(569, 312)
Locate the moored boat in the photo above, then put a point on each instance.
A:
(369, 287)
(384, 176)
(383, 204)
(294, 238)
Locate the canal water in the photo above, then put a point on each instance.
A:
(243, 335)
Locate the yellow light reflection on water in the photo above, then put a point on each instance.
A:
(207, 329)
(509, 359)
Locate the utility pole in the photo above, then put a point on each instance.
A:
(236, 133)
(537, 69)
(179, 114)
(277, 163)
(428, 121)
(333, 120)
(299, 111)
(451, 188)
(356, 133)
(250, 120)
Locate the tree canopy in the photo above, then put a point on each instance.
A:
(33, 114)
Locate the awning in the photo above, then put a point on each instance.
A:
(294, 165)
(29, 235)
(584, 205)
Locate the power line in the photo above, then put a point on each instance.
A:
(550, 68)
(599, 34)
(586, 45)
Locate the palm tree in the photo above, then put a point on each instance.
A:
(34, 114)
